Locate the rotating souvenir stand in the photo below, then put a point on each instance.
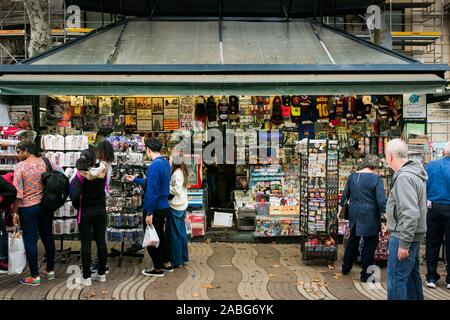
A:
(63, 151)
(319, 199)
(124, 205)
(8, 154)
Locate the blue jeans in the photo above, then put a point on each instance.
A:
(404, 281)
(3, 240)
(176, 231)
(32, 220)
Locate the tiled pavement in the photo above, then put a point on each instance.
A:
(228, 271)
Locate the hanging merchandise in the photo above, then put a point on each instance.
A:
(76, 102)
(118, 110)
(223, 109)
(306, 109)
(359, 111)
(322, 107)
(267, 113)
(90, 120)
(277, 116)
(286, 108)
(187, 112)
(332, 108)
(348, 107)
(171, 109)
(296, 109)
(211, 109)
(130, 114)
(200, 109)
(245, 110)
(233, 108)
(339, 107)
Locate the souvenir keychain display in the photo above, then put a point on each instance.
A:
(319, 198)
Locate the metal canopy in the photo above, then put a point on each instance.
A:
(220, 57)
(228, 42)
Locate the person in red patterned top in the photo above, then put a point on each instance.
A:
(29, 213)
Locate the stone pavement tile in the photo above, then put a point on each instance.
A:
(254, 279)
(199, 273)
(282, 281)
(310, 282)
(227, 276)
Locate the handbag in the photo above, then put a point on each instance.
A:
(346, 211)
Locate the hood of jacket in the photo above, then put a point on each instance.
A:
(413, 167)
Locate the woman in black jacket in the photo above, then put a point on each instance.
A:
(7, 196)
(366, 198)
(89, 198)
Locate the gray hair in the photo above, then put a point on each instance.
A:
(370, 161)
(447, 149)
(398, 148)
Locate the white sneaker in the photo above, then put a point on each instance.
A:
(85, 282)
(431, 285)
(448, 286)
(97, 277)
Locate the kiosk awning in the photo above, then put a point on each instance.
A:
(219, 84)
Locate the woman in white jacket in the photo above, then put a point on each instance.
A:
(176, 227)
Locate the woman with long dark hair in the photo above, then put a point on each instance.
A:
(89, 198)
(176, 227)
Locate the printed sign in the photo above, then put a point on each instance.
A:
(414, 106)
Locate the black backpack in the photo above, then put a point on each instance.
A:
(211, 109)
(56, 188)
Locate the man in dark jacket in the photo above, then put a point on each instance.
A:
(438, 218)
(7, 196)
(406, 220)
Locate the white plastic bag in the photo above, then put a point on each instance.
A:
(17, 259)
(151, 238)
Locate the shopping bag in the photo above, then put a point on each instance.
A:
(382, 250)
(17, 260)
(151, 238)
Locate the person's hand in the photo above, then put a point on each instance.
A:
(149, 220)
(129, 178)
(402, 253)
(16, 220)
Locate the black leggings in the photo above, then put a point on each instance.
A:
(367, 253)
(93, 227)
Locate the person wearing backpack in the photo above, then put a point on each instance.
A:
(29, 212)
(7, 196)
(89, 199)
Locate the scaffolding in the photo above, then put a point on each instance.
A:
(416, 27)
(422, 24)
(15, 31)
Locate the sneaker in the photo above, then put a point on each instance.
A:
(168, 269)
(85, 282)
(30, 281)
(94, 269)
(431, 284)
(153, 273)
(97, 277)
(448, 285)
(48, 275)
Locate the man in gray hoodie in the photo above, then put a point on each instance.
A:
(406, 220)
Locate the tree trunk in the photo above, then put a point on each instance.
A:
(40, 28)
